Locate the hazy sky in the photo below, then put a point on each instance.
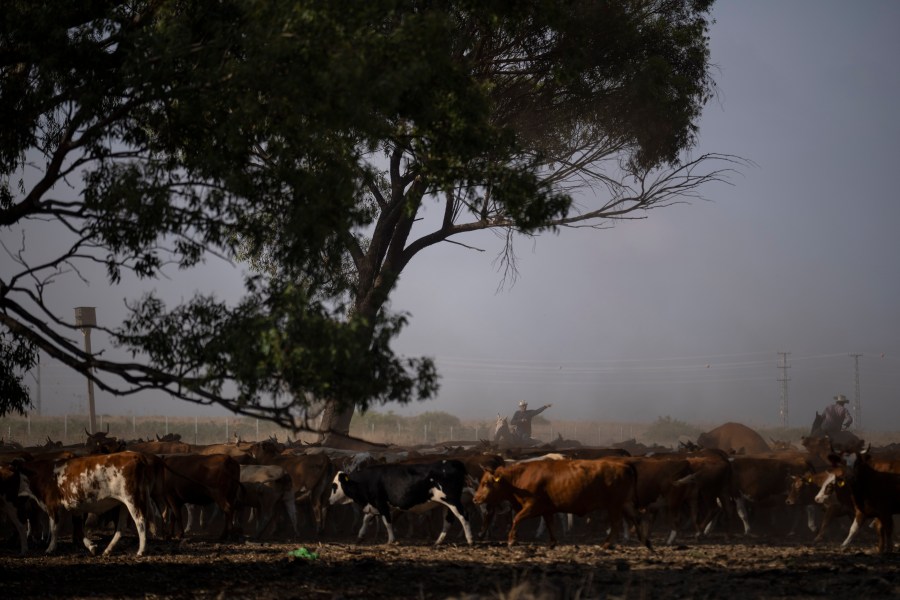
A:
(682, 314)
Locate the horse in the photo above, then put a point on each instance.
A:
(507, 437)
(822, 444)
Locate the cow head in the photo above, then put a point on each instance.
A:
(491, 488)
(835, 482)
(340, 489)
(801, 489)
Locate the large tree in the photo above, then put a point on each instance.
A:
(308, 136)
(598, 97)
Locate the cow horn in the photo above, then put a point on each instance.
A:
(158, 439)
(87, 433)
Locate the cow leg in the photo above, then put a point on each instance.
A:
(192, 515)
(641, 525)
(320, 511)
(386, 519)
(78, 532)
(548, 520)
(811, 518)
(54, 532)
(741, 504)
(368, 517)
(885, 533)
(459, 513)
(291, 507)
(121, 525)
(854, 528)
(140, 524)
(487, 517)
(437, 495)
(13, 516)
(527, 511)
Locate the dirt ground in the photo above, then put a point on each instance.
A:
(196, 568)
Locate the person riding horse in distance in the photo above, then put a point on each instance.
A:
(521, 419)
(836, 417)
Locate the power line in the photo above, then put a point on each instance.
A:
(784, 388)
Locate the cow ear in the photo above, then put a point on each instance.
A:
(343, 478)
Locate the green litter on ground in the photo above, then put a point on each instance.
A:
(303, 553)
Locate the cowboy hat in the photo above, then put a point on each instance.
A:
(841, 399)
(523, 404)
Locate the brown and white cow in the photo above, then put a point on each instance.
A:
(803, 492)
(875, 494)
(543, 488)
(91, 484)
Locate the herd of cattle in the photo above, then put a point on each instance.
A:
(731, 481)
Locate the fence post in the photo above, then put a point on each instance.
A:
(195, 430)
(65, 429)
(451, 433)
(257, 430)
(167, 424)
(226, 430)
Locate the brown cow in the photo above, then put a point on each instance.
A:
(657, 489)
(200, 480)
(874, 494)
(311, 476)
(266, 489)
(764, 480)
(160, 447)
(238, 453)
(9, 492)
(545, 487)
(103, 443)
(734, 438)
(94, 484)
(710, 486)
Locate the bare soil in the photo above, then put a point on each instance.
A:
(740, 569)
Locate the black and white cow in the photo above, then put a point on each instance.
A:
(379, 488)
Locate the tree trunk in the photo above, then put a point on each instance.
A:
(334, 421)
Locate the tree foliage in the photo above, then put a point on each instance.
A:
(308, 137)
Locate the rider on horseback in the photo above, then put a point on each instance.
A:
(836, 417)
(520, 424)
